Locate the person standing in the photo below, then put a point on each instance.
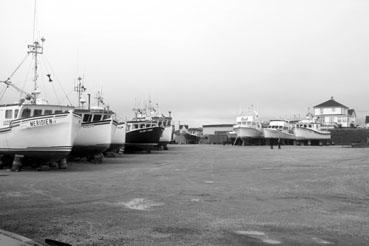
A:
(279, 143)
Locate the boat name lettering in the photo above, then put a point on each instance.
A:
(41, 122)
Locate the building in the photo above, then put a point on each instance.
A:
(366, 121)
(216, 128)
(332, 114)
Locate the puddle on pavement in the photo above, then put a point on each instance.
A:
(140, 204)
(258, 235)
(12, 194)
(250, 233)
(195, 200)
(321, 241)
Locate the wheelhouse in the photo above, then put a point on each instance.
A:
(10, 112)
(136, 125)
(94, 115)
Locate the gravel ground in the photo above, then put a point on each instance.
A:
(197, 195)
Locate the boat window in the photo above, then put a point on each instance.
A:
(135, 126)
(37, 112)
(16, 113)
(8, 114)
(87, 118)
(58, 111)
(26, 113)
(106, 116)
(305, 126)
(97, 117)
(169, 123)
(160, 123)
(148, 125)
(310, 126)
(142, 126)
(48, 112)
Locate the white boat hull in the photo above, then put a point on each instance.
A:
(309, 134)
(94, 138)
(166, 136)
(43, 137)
(119, 137)
(274, 133)
(248, 132)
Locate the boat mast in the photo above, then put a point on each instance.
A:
(36, 49)
(80, 88)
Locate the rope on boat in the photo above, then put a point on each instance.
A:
(52, 84)
(57, 80)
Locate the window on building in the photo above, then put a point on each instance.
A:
(321, 110)
(9, 114)
(106, 116)
(58, 111)
(37, 112)
(97, 117)
(26, 113)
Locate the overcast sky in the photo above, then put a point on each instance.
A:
(203, 60)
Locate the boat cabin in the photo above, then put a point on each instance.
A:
(94, 115)
(248, 121)
(163, 121)
(309, 125)
(10, 112)
(135, 125)
(279, 124)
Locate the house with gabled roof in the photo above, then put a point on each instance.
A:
(333, 114)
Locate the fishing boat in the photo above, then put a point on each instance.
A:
(248, 126)
(33, 128)
(98, 127)
(119, 137)
(142, 132)
(167, 135)
(279, 129)
(310, 129)
(187, 135)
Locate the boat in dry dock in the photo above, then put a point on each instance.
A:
(186, 135)
(97, 130)
(34, 128)
(142, 132)
(119, 138)
(248, 126)
(167, 135)
(279, 129)
(310, 129)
